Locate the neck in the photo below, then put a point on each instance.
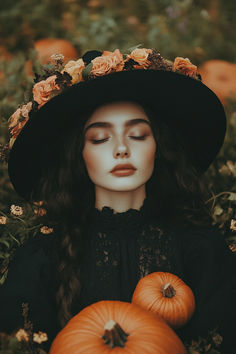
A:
(120, 201)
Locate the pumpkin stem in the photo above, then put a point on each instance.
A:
(168, 290)
(114, 335)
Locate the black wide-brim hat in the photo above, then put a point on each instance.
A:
(187, 106)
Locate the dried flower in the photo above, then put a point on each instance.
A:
(3, 220)
(40, 337)
(58, 58)
(16, 210)
(233, 225)
(46, 230)
(22, 335)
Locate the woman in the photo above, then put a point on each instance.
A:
(113, 226)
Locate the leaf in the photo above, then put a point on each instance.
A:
(87, 70)
(13, 343)
(5, 243)
(135, 47)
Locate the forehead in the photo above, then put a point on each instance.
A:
(117, 113)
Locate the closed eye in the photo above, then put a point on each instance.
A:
(94, 141)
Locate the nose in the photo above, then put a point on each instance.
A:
(122, 151)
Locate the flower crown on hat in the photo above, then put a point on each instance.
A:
(91, 65)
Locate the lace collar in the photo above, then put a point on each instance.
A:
(130, 219)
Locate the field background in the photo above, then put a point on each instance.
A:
(200, 30)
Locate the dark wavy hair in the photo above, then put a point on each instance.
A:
(175, 192)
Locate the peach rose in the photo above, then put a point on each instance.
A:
(74, 69)
(44, 90)
(107, 63)
(19, 113)
(140, 55)
(185, 66)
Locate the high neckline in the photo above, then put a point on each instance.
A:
(130, 219)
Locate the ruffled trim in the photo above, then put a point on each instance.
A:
(107, 220)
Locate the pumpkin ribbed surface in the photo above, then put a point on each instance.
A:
(167, 295)
(142, 331)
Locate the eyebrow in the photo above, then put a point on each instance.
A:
(128, 123)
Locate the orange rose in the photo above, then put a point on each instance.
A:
(107, 63)
(74, 69)
(44, 90)
(185, 66)
(140, 55)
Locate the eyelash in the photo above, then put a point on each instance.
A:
(103, 140)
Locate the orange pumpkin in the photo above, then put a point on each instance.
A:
(167, 295)
(49, 46)
(116, 327)
(220, 77)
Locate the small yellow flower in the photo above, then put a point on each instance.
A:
(22, 335)
(40, 337)
(16, 210)
(233, 225)
(3, 220)
(46, 230)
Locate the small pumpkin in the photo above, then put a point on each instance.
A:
(118, 327)
(220, 77)
(167, 295)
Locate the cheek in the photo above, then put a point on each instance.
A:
(92, 160)
(148, 155)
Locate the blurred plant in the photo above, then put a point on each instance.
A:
(24, 340)
(17, 226)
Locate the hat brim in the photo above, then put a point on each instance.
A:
(187, 106)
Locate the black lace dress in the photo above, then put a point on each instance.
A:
(121, 249)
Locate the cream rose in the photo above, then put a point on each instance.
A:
(107, 63)
(74, 69)
(19, 113)
(44, 90)
(140, 55)
(185, 66)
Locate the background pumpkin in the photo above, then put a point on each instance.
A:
(49, 46)
(138, 330)
(167, 295)
(220, 77)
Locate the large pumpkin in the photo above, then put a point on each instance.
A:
(167, 295)
(220, 77)
(49, 46)
(116, 327)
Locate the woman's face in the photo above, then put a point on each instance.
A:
(119, 133)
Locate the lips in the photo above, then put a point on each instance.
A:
(123, 167)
